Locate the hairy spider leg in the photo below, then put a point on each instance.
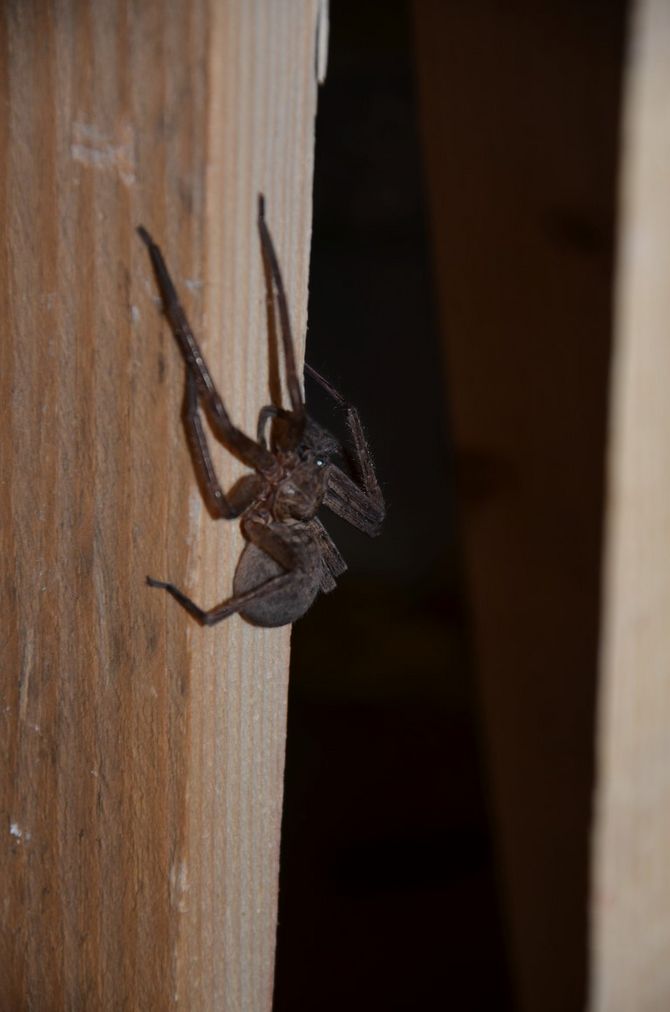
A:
(350, 502)
(227, 608)
(249, 452)
(328, 387)
(333, 563)
(270, 543)
(362, 505)
(264, 416)
(292, 381)
(221, 506)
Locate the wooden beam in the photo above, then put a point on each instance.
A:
(142, 757)
(631, 877)
(520, 118)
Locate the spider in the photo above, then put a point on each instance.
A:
(289, 556)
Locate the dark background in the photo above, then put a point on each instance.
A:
(439, 762)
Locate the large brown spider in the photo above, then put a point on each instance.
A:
(289, 557)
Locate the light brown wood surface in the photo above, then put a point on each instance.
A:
(630, 938)
(142, 756)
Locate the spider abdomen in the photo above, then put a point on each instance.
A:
(291, 598)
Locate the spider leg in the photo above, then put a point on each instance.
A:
(245, 448)
(274, 545)
(264, 416)
(220, 505)
(333, 563)
(270, 255)
(349, 501)
(360, 503)
(227, 608)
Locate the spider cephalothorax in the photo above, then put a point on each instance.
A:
(289, 556)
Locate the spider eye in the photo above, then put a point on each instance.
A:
(319, 462)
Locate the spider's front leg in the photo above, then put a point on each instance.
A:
(333, 565)
(267, 413)
(359, 503)
(221, 506)
(248, 451)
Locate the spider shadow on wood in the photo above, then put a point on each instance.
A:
(289, 556)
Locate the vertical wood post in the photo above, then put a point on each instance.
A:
(520, 127)
(630, 937)
(142, 756)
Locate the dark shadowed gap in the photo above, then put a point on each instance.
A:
(387, 889)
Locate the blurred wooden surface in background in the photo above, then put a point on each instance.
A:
(520, 117)
(630, 936)
(142, 756)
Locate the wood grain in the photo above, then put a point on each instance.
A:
(631, 877)
(142, 756)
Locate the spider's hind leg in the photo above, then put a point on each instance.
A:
(277, 578)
